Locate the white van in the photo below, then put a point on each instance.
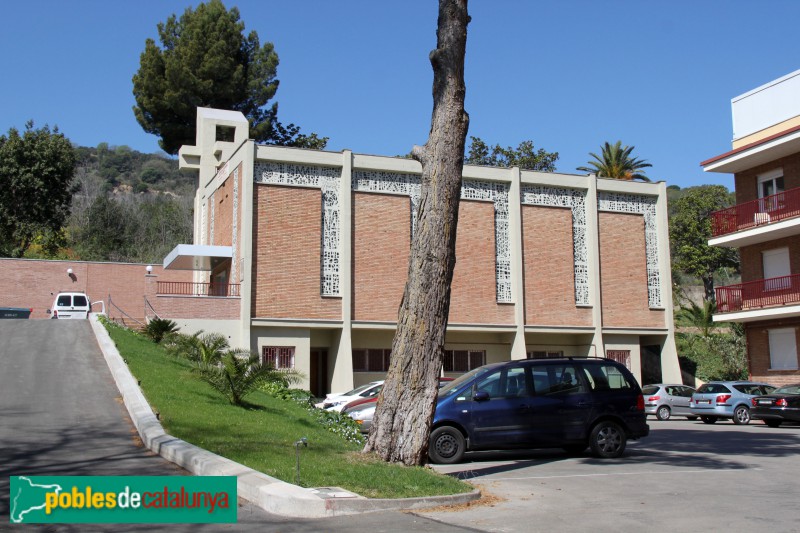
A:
(70, 305)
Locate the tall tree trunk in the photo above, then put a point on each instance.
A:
(708, 287)
(403, 418)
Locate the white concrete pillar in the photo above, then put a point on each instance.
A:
(342, 375)
(518, 347)
(593, 264)
(246, 208)
(670, 366)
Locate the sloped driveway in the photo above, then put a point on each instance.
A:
(61, 414)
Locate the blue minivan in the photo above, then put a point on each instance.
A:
(570, 403)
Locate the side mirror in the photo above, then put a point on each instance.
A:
(480, 396)
(48, 311)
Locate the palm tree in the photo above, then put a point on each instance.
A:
(616, 162)
(695, 316)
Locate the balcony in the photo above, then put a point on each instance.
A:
(183, 288)
(765, 219)
(759, 300)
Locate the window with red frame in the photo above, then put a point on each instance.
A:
(278, 356)
(620, 356)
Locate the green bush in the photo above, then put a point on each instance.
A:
(335, 422)
(716, 356)
(158, 328)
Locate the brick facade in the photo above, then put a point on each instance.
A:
(758, 351)
(623, 273)
(191, 307)
(752, 264)
(223, 211)
(549, 274)
(287, 245)
(381, 244)
(747, 182)
(474, 290)
(31, 283)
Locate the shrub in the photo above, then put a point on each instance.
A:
(158, 328)
(335, 422)
(238, 373)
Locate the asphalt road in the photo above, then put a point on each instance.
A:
(61, 414)
(686, 476)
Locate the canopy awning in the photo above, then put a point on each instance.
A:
(197, 257)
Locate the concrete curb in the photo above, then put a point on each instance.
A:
(272, 495)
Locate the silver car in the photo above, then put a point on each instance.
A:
(667, 399)
(726, 399)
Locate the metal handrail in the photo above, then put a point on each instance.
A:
(770, 292)
(118, 308)
(755, 213)
(146, 306)
(188, 288)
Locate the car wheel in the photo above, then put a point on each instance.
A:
(663, 413)
(773, 423)
(575, 449)
(608, 440)
(691, 418)
(708, 419)
(741, 415)
(447, 445)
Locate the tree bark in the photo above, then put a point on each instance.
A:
(402, 421)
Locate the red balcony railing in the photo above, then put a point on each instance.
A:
(756, 213)
(772, 292)
(184, 288)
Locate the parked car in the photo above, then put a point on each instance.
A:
(664, 400)
(362, 410)
(726, 399)
(336, 402)
(70, 305)
(779, 406)
(571, 403)
(15, 312)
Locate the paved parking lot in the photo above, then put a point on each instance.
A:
(686, 476)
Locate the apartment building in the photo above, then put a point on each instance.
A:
(765, 226)
(312, 246)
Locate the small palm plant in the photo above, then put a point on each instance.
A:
(158, 328)
(238, 373)
(234, 373)
(199, 347)
(615, 161)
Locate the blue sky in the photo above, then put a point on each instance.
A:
(568, 74)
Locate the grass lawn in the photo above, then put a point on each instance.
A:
(262, 436)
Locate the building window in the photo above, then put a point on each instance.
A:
(770, 183)
(371, 360)
(620, 356)
(782, 349)
(278, 356)
(463, 360)
(545, 354)
(225, 133)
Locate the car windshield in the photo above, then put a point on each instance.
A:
(358, 390)
(649, 389)
(374, 391)
(452, 387)
(712, 388)
(788, 389)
